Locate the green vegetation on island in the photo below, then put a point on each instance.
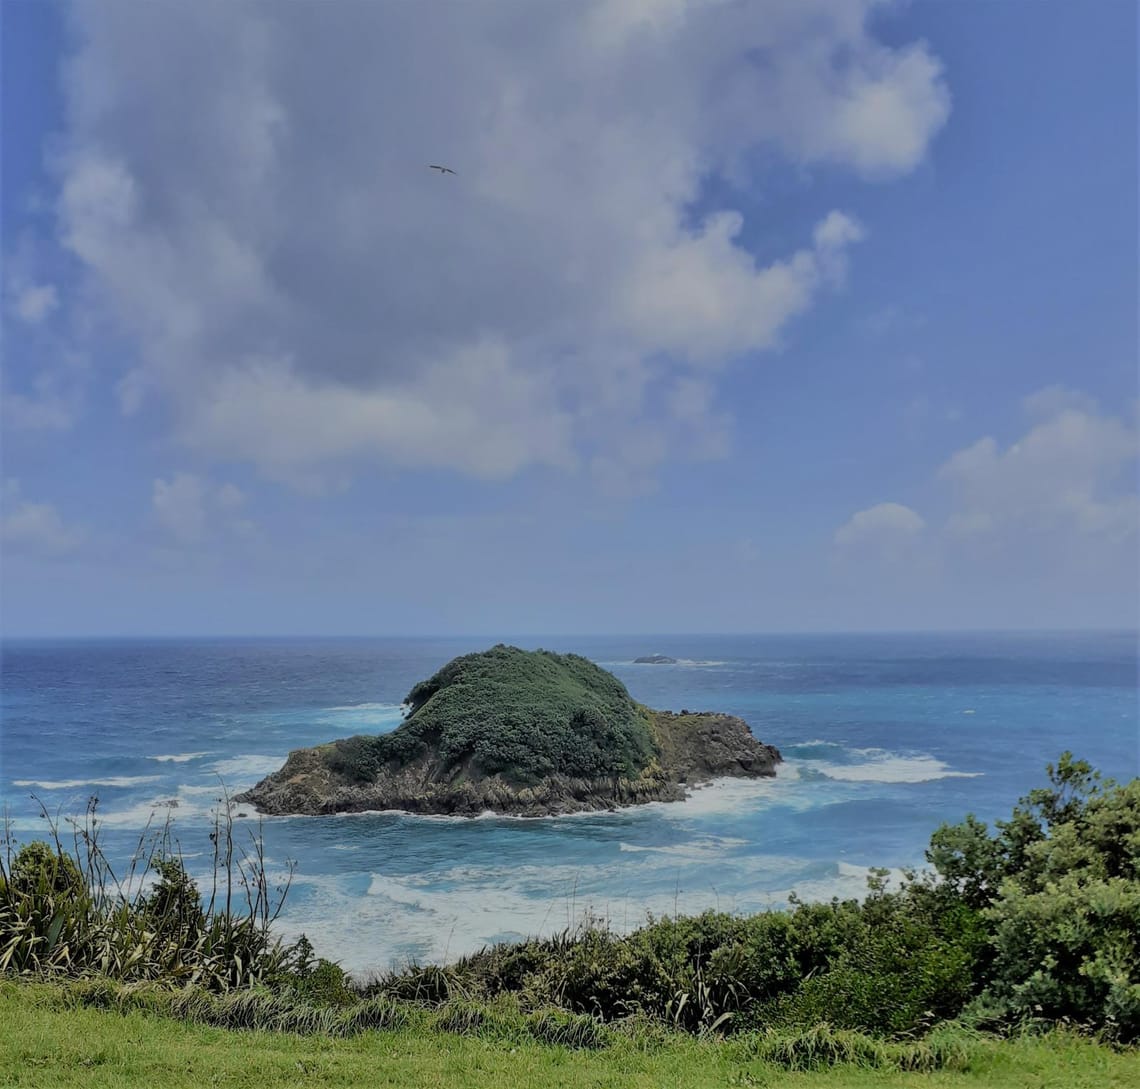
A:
(516, 713)
(532, 733)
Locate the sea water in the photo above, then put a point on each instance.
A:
(883, 736)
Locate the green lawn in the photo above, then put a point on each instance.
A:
(46, 1046)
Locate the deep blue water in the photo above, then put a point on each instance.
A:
(884, 737)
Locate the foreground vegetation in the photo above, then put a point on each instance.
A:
(52, 1041)
(1036, 922)
(1030, 928)
(67, 910)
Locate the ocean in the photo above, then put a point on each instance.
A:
(884, 737)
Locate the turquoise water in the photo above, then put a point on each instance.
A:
(884, 737)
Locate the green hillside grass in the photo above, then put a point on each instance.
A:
(49, 1044)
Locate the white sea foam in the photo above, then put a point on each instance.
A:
(154, 812)
(238, 772)
(880, 766)
(848, 882)
(733, 796)
(706, 848)
(445, 914)
(74, 784)
(720, 796)
(179, 757)
(185, 806)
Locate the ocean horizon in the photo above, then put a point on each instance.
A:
(885, 735)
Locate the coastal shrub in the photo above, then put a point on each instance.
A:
(822, 1046)
(1060, 884)
(314, 980)
(888, 965)
(251, 1009)
(1039, 920)
(64, 911)
(561, 1029)
(428, 985)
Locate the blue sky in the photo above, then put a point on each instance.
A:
(772, 316)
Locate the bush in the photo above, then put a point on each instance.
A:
(521, 714)
(65, 913)
(1065, 921)
(1040, 921)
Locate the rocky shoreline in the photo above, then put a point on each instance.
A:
(694, 748)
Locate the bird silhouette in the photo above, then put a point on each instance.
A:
(441, 169)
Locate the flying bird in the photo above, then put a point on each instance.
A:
(441, 169)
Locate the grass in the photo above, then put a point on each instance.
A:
(49, 1043)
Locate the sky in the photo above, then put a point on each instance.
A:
(785, 315)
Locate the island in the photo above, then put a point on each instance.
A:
(655, 659)
(527, 733)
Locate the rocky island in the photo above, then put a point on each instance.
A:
(530, 733)
(655, 659)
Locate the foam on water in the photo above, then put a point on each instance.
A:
(441, 916)
(117, 781)
(179, 757)
(879, 766)
(703, 848)
(240, 772)
(732, 797)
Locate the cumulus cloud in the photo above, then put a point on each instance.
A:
(34, 302)
(35, 529)
(190, 508)
(43, 374)
(1053, 400)
(1073, 472)
(257, 213)
(1061, 499)
(46, 408)
(180, 506)
(883, 524)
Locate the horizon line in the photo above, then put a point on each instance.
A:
(701, 634)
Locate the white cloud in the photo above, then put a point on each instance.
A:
(34, 302)
(304, 292)
(1056, 509)
(1073, 472)
(1053, 400)
(35, 529)
(230, 497)
(704, 298)
(890, 106)
(880, 526)
(180, 506)
(192, 509)
(45, 410)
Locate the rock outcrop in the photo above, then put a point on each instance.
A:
(475, 740)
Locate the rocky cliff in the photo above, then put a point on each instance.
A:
(520, 732)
